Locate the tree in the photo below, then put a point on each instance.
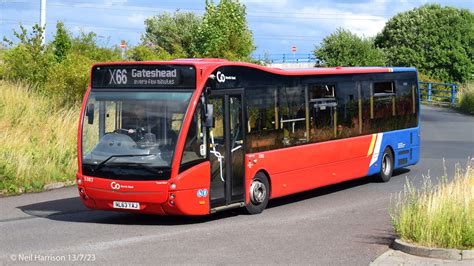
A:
(62, 42)
(224, 32)
(86, 44)
(175, 33)
(147, 53)
(28, 60)
(439, 41)
(343, 48)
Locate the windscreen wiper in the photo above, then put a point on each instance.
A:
(102, 164)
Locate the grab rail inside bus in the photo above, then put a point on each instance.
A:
(218, 155)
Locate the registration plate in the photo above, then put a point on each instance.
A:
(126, 205)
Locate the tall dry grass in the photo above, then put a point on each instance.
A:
(37, 140)
(440, 215)
(466, 98)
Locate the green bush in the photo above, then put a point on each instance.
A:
(59, 69)
(68, 80)
(344, 48)
(438, 40)
(86, 45)
(145, 53)
(2, 70)
(29, 60)
(23, 65)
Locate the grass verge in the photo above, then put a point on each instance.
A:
(37, 141)
(439, 215)
(466, 98)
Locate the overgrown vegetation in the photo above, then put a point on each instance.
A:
(60, 69)
(344, 48)
(175, 34)
(439, 215)
(222, 32)
(466, 98)
(438, 40)
(38, 142)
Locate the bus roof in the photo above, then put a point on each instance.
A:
(216, 62)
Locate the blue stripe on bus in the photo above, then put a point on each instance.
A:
(405, 144)
(403, 69)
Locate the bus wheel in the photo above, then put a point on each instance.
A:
(259, 194)
(386, 168)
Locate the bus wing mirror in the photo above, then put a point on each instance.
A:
(90, 114)
(209, 116)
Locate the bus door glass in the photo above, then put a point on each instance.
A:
(226, 149)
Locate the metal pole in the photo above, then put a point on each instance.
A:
(429, 92)
(453, 94)
(43, 20)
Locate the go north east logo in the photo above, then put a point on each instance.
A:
(116, 186)
(221, 77)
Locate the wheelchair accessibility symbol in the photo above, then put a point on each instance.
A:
(202, 193)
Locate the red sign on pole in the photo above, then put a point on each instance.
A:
(123, 45)
(293, 49)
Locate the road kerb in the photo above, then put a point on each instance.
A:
(379, 260)
(468, 254)
(437, 253)
(54, 186)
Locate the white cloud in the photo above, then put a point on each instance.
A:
(266, 3)
(137, 18)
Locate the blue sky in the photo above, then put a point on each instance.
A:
(277, 25)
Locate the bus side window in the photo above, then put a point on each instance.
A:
(293, 115)
(383, 109)
(347, 109)
(193, 148)
(405, 104)
(323, 112)
(264, 132)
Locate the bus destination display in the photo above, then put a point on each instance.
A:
(143, 76)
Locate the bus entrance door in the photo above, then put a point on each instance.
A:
(227, 149)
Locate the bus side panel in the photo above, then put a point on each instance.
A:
(191, 196)
(301, 168)
(405, 145)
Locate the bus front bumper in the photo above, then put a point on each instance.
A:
(120, 195)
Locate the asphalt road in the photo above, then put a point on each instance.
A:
(344, 224)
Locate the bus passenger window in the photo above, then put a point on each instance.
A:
(405, 104)
(293, 115)
(323, 112)
(264, 132)
(347, 109)
(383, 106)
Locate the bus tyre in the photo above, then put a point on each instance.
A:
(386, 167)
(259, 194)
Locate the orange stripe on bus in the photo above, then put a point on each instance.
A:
(372, 144)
